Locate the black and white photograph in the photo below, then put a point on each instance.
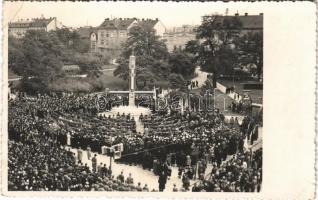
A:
(108, 97)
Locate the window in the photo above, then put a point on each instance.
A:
(107, 35)
(93, 45)
(102, 42)
(122, 34)
(102, 34)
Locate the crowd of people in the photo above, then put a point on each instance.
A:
(41, 127)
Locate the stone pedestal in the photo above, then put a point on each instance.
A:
(131, 99)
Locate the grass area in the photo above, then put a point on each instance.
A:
(108, 80)
(105, 80)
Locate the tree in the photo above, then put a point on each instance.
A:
(72, 40)
(15, 56)
(181, 63)
(176, 81)
(38, 54)
(142, 40)
(216, 51)
(193, 47)
(88, 64)
(151, 56)
(251, 51)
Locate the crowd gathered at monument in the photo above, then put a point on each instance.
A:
(43, 128)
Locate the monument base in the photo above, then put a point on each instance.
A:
(131, 99)
(132, 110)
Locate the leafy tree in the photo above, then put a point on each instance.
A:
(142, 40)
(15, 56)
(88, 64)
(151, 55)
(176, 81)
(251, 51)
(72, 40)
(181, 63)
(215, 49)
(193, 47)
(38, 55)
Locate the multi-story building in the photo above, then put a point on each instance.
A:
(112, 33)
(250, 23)
(177, 37)
(19, 28)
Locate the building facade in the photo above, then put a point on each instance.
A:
(250, 23)
(177, 37)
(19, 28)
(113, 33)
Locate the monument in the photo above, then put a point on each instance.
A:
(132, 81)
(132, 84)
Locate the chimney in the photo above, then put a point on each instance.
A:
(246, 14)
(236, 14)
(157, 19)
(261, 14)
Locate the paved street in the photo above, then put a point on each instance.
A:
(139, 175)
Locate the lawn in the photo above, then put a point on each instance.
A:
(112, 82)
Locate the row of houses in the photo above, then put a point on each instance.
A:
(109, 36)
(19, 28)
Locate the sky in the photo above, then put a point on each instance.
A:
(93, 13)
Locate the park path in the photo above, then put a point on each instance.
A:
(201, 76)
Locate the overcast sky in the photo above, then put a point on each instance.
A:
(93, 13)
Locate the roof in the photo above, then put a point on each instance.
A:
(37, 22)
(85, 32)
(41, 22)
(249, 21)
(148, 23)
(117, 23)
(124, 23)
